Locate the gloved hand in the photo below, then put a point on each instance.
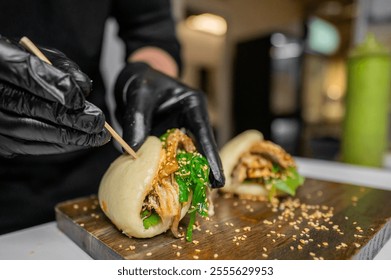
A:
(149, 102)
(42, 107)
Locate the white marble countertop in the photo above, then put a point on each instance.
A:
(46, 241)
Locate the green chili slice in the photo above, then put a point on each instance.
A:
(150, 219)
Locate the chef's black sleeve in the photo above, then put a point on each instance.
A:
(147, 23)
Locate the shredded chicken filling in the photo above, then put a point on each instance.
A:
(164, 196)
(258, 163)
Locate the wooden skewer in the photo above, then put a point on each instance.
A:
(121, 141)
(31, 47)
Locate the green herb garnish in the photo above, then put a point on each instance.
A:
(276, 168)
(164, 136)
(287, 185)
(193, 175)
(150, 218)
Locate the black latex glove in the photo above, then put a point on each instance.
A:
(149, 102)
(42, 107)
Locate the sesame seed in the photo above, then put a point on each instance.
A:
(264, 255)
(149, 254)
(247, 228)
(195, 257)
(215, 256)
(319, 193)
(178, 254)
(75, 206)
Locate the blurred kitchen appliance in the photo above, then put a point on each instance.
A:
(266, 87)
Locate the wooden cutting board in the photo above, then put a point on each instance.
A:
(324, 220)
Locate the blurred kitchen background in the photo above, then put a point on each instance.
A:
(278, 66)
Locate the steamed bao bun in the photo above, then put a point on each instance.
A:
(230, 155)
(124, 187)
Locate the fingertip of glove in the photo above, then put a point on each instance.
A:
(83, 81)
(135, 138)
(217, 180)
(135, 145)
(107, 136)
(102, 138)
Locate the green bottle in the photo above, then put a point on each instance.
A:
(366, 125)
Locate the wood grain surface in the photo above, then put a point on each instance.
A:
(324, 220)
